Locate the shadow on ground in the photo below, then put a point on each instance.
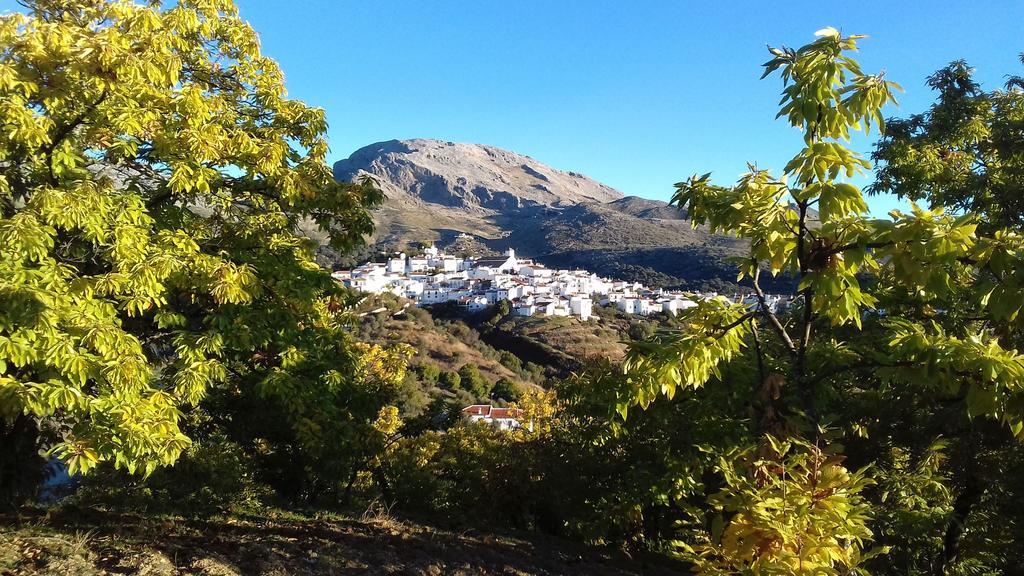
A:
(90, 542)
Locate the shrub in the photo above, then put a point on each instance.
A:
(420, 316)
(474, 381)
(510, 361)
(213, 475)
(536, 371)
(472, 474)
(507, 390)
(412, 395)
(429, 372)
(450, 379)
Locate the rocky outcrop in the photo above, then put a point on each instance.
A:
(473, 177)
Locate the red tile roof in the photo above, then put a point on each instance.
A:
(488, 411)
(477, 410)
(504, 413)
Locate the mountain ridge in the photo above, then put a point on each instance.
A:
(437, 191)
(470, 175)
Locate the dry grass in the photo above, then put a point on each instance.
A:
(580, 340)
(91, 543)
(442, 348)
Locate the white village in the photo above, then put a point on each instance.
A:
(476, 283)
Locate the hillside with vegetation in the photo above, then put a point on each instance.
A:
(452, 366)
(492, 356)
(185, 390)
(630, 243)
(566, 344)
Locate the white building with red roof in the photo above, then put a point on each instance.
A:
(502, 418)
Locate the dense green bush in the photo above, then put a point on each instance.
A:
(413, 396)
(472, 474)
(450, 379)
(536, 371)
(642, 330)
(214, 475)
(475, 382)
(429, 372)
(507, 390)
(420, 316)
(510, 361)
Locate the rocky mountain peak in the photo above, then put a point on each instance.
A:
(474, 177)
(479, 199)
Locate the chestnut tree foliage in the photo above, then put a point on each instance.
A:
(964, 152)
(911, 317)
(153, 180)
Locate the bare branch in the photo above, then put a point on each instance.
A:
(725, 329)
(772, 318)
(65, 130)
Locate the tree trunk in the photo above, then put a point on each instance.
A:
(347, 498)
(382, 482)
(21, 466)
(962, 506)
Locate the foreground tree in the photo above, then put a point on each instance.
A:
(154, 185)
(894, 318)
(966, 152)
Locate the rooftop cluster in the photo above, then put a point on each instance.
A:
(476, 283)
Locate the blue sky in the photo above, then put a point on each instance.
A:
(637, 94)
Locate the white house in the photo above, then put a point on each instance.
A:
(506, 263)
(481, 272)
(518, 291)
(542, 288)
(536, 272)
(675, 305)
(523, 307)
(649, 307)
(450, 264)
(373, 283)
(433, 295)
(413, 289)
(630, 305)
(495, 295)
(581, 306)
(417, 264)
(397, 264)
(501, 418)
(474, 303)
(612, 298)
(561, 308)
(638, 305)
(545, 307)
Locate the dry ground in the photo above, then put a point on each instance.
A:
(579, 340)
(93, 543)
(441, 348)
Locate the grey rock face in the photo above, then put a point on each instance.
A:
(471, 177)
